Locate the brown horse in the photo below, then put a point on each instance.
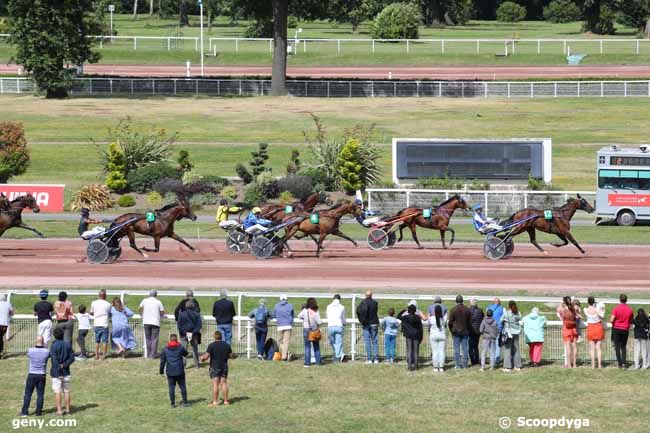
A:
(559, 224)
(277, 212)
(162, 227)
(439, 219)
(11, 213)
(328, 224)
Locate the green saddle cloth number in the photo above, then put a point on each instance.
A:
(548, 214)
(426, 213)
(313, 218)
(151, 217)
(288, 209)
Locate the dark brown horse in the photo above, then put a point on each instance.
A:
(559, 224)
(11, 213)
(277, 212)
(439, 219)
(328, 224)
(162, 227)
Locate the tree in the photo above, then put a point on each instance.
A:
(14, 154)
(449, 12)
(258, 160)
(182, 13)
(279, 69)
(637, 13)
(48, 34)
(350, 166)
(598, 15)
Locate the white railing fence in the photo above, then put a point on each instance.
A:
(343, 88)
(23, 329)
(502, 202)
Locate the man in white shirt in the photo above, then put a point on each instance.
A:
(335, 323)
(6, 311)
(152, 310)
(100, 310)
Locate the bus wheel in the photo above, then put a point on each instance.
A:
(626, 218)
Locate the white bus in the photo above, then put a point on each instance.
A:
(623, 189)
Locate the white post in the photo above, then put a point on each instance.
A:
(443, 46)
(201, 12)
(239, 313)
(408, 46)
(564, 47)
(236, 45)
(248, 339)
(539, 46)
(135, 43)
(338, 44)
(602, 89)
(601, 46)
(478, 46)
(513, 46)
(111, 9)
(169, 43)
(270, 45)
(637, 47)
(373, 46)
(188, 69)
(353, 338)
(485, 202)
(408, 198)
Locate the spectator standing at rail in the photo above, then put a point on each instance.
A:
(151, 310)
(413, 333)
(438, 337)
(512, 327)
(62, 359)
(490, 331)
(311, 322)
(283, 314)
(261, 316)
(497, 312)
(172, 357)
(6, 311)
(641, 335)
(189, 296)
(122, 337)
(100, 309)
(437, 301)
(390, 326)
(83, 327)
(459, 325)
(64, 314)
(534, 325)
(569, 316)
(43, 310)
(367, 316)
(621, 320)
(218, 352)
(189, 327)
(36, 377)
(595, 331)
(223, 312)
(335, 327)
(476, 317)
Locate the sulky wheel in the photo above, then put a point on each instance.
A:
(510, 247)
(377, 239)
(494, 248)
(263, 247)
(97, 251)
(392, 239)
(237, 242)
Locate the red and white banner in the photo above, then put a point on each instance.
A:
(640, 200)
(48, 197)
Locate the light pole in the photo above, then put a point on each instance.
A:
(201, 11)
(111, 9)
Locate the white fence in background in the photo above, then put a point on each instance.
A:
(407, 46)
(344, 88)
(23, 329)
(504, 202)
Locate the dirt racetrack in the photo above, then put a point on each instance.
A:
(53, 263)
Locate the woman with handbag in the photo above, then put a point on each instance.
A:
(510, 339)
(311, 330)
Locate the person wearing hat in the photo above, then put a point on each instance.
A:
(85, 221)
(482, 223)
(253, 223)
(43, 311)
(224, 210)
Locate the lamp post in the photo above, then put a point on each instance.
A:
(111, 9)
(201, 12)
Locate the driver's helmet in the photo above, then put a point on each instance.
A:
(256, 210)
(477, 207)
(223, 202)
(85, 211)
(358, 202)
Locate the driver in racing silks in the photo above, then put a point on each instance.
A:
(482, 223)
(225, 210)
(367, 217)
(85, 221)
(253, 223)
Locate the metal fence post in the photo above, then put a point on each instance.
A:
(2, 84)
(372, 89)
(131, 87)
(485, 90)
(443, 46)
(625, 88)
(408, 47)
(440, 89)
(144, 341)
(239, 313)
(353, 346)
(90, 85)
(485, 202)
(564, 47)
(578, 89)
(637, 47)
(18, 86)
(408, 198)
(135, 43)
(478, 46)
(236, 45)
(525, 199)
(153, 87)
(508, 90)
(239, 87)
(328, 89)
(539, 46)
(338, 44)
(350, 86)
(532, 90)
(373, 46)
(169, 44)
(196, 87)
(601, 46)
(306, 93)
(602, 89)
(248, 339)
(555, 89)
(174, 86)
(111, 85)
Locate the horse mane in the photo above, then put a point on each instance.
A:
(448, 200)
(167, 207)
(335, 206)
(19, 198)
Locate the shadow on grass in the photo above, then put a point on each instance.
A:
(75, 409)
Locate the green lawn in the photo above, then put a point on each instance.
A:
(112, 395)
(219, 132)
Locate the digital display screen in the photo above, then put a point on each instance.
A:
(629, 160)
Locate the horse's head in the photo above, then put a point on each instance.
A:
(186, 212)
(584, 205)
(28, 201)
(324, 198)
(356, 209)
(461, 203)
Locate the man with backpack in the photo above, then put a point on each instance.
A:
(261, 315)
(367, 315)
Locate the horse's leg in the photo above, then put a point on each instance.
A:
(156, 245)
(453, 235)
(340, 234)
(177, 239)
(533, 240)
(415, 235)
(564, 240)
(401, 233)
(132, 244)
(574, 242)
(442, 238)
(321, 238)
(31, 229)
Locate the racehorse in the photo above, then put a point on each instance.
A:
(11, 213)
(439, 219)
(277, 212)
(559, 224)
(328, 224)
(162, 227)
